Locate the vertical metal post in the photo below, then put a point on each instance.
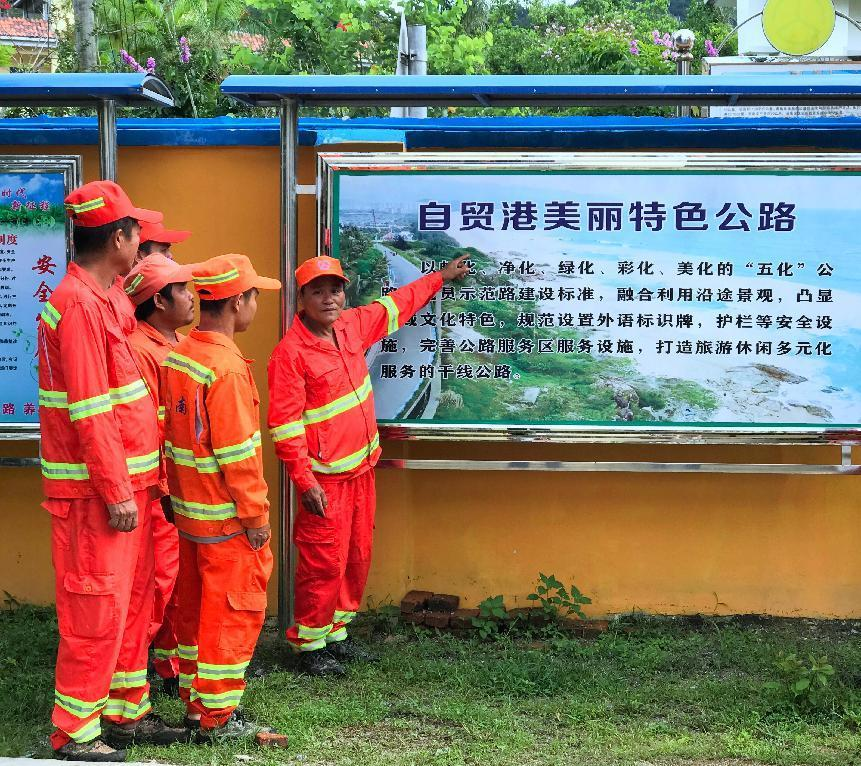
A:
(683, 42)
(108, 140)
(417, 35)
(289, 260)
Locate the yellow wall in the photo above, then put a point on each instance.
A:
(667, 543)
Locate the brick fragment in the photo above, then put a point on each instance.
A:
(442, 602)
(271, 739)
(461, 619)
(415, 618)
(437, 619)
(415, 601)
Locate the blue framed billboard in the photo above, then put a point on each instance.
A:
(35, 246)
(684, 295)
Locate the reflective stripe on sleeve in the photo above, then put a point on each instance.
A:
(238, 452)
(57, 399)
(195, 371)
(339, 405)
(392, 310)
(79, 472)
(287, 431)
(187, 458)
(50, 316)
(96, 405)
(203, 511)
(142, 464)
(349, 462)
(187, 652)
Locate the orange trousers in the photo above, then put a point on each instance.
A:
(222, 604)
(163, 630)
(104, 587)
(334, 559)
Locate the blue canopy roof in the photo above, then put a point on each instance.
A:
(83, 89)
(546, 90)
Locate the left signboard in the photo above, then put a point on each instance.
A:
(35, 246)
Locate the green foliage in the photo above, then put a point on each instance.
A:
(555, 600)
(491, 614)
(806, 685)
(365, 266)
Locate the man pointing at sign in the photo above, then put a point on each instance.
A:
(322, 420)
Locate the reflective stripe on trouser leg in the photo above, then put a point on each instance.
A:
(129, 693)
(95, 569)
(233, 580)
(187, 616)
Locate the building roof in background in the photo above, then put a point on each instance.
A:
(255, 43)
(31, 29)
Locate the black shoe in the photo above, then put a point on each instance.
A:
(150, 730)
(320, 663)
(96, 751)
(235, 728)
(170, 687)
(350, 651)
(192, 724)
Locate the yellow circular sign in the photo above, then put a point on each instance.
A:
(798, 27)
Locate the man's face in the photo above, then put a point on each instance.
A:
(127, 249)
(162, 248)
(179, 310)
(323, 299)
(247, 310)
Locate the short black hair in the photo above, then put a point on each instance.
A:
(214, 308)
(146, 247)
(147, 308)
(91, 239)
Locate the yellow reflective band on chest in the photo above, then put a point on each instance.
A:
(340, 405)
(195, 371)
(202, 512)
(347, 463)
(187, 458)
(392, 310)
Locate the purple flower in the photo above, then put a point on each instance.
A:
(710, 49)
(150, 65)
(634, 48)
(667, 40)
(184, 50)
(656, 37)
(131, 63)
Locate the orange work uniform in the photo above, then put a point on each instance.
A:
(99, 446)
(322, 420)
(151, 348)
(215, 474)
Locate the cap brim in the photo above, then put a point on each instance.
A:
(147, 216)
(170, 236)
(320, 276)
(183, 273)
(265, 283)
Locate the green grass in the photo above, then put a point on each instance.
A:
(647, 691)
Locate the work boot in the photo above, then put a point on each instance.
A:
(235, 728)
(170, 687)
(149, 730)
(95, 750)
(350, 651)
(320, 663)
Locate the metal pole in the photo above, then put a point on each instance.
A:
(683, 42)
(289, 260)
(417, 35)
(108, 140)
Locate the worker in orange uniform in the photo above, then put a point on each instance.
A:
(100, 467)
(163, 303)
(218, 494)
(321, 418)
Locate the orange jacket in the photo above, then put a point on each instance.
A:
(98, 418)
(212, 438)
(321, 406)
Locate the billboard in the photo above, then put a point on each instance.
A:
(682, 293)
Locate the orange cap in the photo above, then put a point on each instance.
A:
(227, 275)
(102, 202)
(322, 266)
(152, 274)
(155, 232)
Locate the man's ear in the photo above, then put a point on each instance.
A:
(236, 303)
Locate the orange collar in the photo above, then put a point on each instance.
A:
(154, 335)
(217, 339)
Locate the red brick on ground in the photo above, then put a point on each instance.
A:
(415, 601)
(462, 619)
(415, 618)
(437, 619)
(271, 739)
(442, 602)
